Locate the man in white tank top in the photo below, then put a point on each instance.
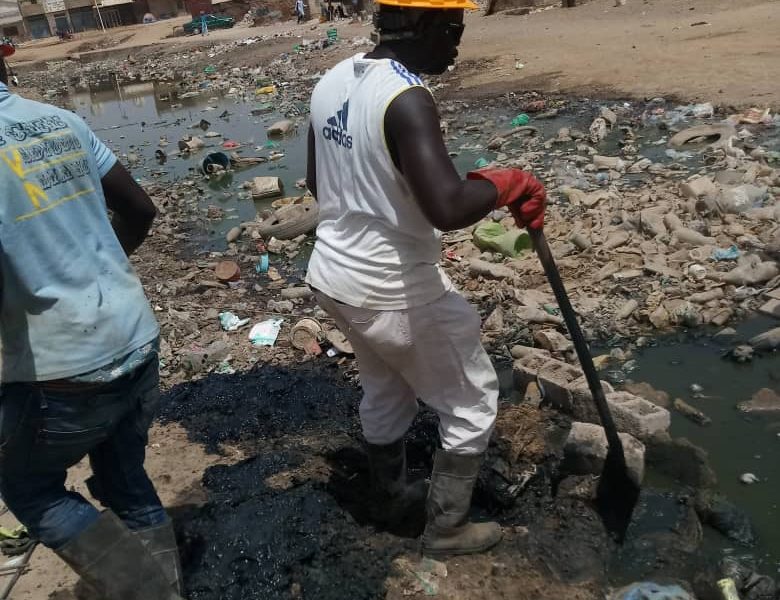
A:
(385, 184)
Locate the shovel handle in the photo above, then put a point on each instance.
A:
(580, 345)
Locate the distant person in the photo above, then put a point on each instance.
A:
(300, 11)
(331, 14)
(204, 26)
(79, 353)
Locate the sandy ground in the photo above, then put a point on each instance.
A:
(175, 465)
(645, 48)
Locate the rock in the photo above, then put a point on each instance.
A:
(648, 392)
(771, 308)
(586, 450)
(598, 130)
(292, 293)
(519, 351)
(280, 306)
(691, 413)
(495, 321)
(553, 341)
(627, 309)
(280, 127)
(609, 163)
(487, 269)
(682, 460)
(659, 317)
(751, 272)
(698, 187)
(233, 235)
(529, 314)
(763, 401)
(722, 515)
(197, 360)
(726, 332)
(651, 223)
(709, 295)
(689, 236)
(769, 340)
(742, 353)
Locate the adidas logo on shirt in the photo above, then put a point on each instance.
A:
(336, 129)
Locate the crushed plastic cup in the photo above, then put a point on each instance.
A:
(230, 321)
(730, 253)
(262, 265)
(481, 162)
(265, 332)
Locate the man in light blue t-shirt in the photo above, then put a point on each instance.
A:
(79, 352)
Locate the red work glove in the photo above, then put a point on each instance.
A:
(520, 191)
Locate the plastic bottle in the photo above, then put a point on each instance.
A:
(728, 589)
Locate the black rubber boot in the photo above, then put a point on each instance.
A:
(395, 500)
(160, 542)
(448, 530)
(115, 564)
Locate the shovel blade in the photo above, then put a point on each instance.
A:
(617, 495)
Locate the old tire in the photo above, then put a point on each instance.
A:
(290, 221)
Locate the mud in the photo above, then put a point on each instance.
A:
(291, 520)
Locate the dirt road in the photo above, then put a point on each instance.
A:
(705, 50)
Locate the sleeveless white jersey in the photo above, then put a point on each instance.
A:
(375, 248)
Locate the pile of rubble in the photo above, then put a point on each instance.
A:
(644, 244)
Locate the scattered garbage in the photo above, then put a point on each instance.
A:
(230, 321)
(728, 589)
(520, 120)
(730, 253)
(227, 270)
(748, 478)
(493, 237)
(304, 336)
(281, 128)
(265, 332)
(266, 187)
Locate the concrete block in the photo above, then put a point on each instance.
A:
(583, 408)
(637, 416)
(528, 365)
(586, 449)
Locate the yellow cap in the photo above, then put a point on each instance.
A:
(462, 4)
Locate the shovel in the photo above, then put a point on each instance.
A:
(617, 493)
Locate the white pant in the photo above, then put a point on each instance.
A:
(432, 352)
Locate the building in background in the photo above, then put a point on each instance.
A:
(11, 23)
(44, 18)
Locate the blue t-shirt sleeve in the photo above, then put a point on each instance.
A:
(104, 157)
